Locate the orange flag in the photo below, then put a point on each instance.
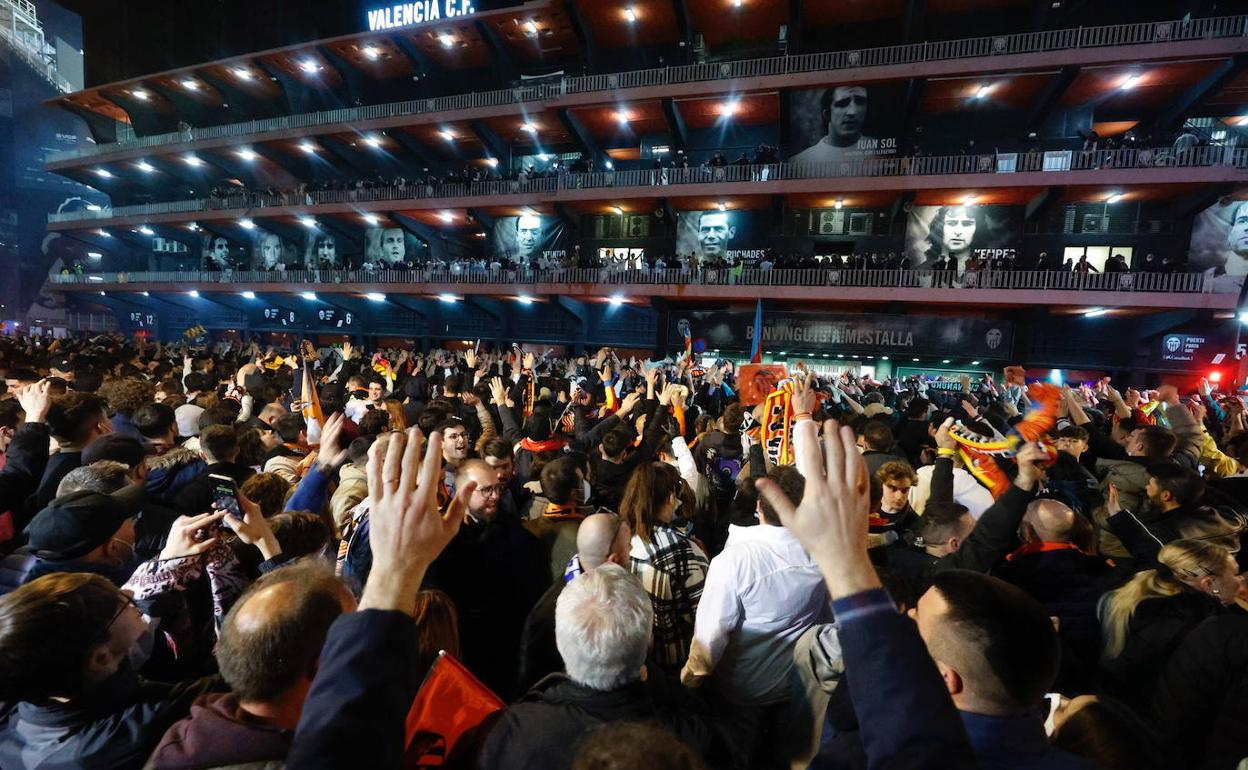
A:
(451, 702)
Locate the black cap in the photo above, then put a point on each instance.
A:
(73, 525)
(62, 364)
(124, 449)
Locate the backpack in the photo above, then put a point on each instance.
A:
(723, 471)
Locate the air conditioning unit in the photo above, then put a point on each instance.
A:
(638, 227)
(831, 222)
(1094, 224)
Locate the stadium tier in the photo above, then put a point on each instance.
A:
(511, 171)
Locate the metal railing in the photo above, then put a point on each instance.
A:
(1175, 283)
(1053, 161)
(994, 46)
(46, 69)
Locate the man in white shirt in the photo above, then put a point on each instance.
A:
(761, 593)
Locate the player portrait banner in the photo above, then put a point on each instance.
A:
(386, 247)
(220, 253)
(805, 333)
(845, 123)
(935, 233)
(269, 251)
(737, 237)
(326, 251)
(1219, 245)
(529, 238)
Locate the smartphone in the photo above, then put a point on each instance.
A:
(225, 495)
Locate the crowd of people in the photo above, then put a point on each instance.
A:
(226, 556)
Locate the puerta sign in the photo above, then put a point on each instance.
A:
(857, 333)
(419, 12)
(1181, 348)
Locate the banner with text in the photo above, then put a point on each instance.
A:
(733, 236)
(936, 233)
(845, 123)
(832, 333)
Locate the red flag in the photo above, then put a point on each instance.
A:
(451, 702)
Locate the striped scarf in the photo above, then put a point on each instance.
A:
(777, 425)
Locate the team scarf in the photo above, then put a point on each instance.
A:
(311, 401)
(567, 512)
(530, 394)
(1041, 547)
(777, 427)
(549, 445)
(980, 454)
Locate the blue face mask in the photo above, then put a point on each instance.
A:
(141, 649)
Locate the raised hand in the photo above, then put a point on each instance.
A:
(185, 538)
(253, 528)
(1029, 472)
(498, 391)
(332, 454)
(831, 520)
(944, 439)
(629, 404)
(35, 399)
(529, 360)
(407, 531)
(803, 399)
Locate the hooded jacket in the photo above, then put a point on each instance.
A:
(168, 473)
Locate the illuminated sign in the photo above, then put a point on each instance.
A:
(407, 14)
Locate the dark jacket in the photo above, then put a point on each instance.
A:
(543, 730)
(368, 674)
(218, 733)
(875, 459)
(26, 459)
(125, 426)
(115, 730)
(167, 474)
(557, 535)
(1068, 583)
(994, 535)
(58, 467)
(494, 572)
(1201, 701)
(1156, 630)
(911, 437)
(539, 655)
(196, 497)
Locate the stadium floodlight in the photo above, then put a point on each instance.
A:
(447, 135)
(981, 92)
(723, 206)
(309, 66)
(491, 162)
(616, 300)
(103, 173)
(192, 293)
(448, 297)
(307, 221)
(446, 216)
(1094, 312)
(193, 160)
(524, 299)
(141, 95)
(308, 295)
(630, 14)
(190, 85)
(145, 230)
(307, 147)
(609, 165)
(374, 296)
(729, 107)
(1130, 82)
(840, 203)
(247, 154)
(1114, 198)
(249, 295)
(622, 117)
(93, 207)
(531, 26)
(371, 219)
(103, 233)
(372, 140)
(193, 227)
(242, 73)
(530, 127)
(372, 52)
(145, 167)
(446, 40)
(247, 224)
(95, 255)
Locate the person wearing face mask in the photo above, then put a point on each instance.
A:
(71, 645)
(79, 532)
(671, 564)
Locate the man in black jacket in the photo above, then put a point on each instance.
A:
(26, 459)
(219, 446)
(603, 623)
(74, 420)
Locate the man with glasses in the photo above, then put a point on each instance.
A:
(494, 570)
(603, 538)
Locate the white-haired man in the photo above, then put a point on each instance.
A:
(603, 623)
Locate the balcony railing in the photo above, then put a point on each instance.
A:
(1059, 161)
(1177, 283)
(914, 53)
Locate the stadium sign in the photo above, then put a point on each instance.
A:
(419, 12)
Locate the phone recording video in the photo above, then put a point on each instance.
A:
(225, 495)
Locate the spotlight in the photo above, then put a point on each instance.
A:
(246, 224)
(616, 300)
(373, 296)
(630, 14)
(524, 299)
(371, 219)
(190, 85)
(307, 221)
(103, 173)
(145, 230)
(447, 135)
(372, 141)
(1094, 312)
(446, 40)
(309, 66)
(193, 161)
(141, 95)
(145, 167)
(192, 293)
(839, 204)
(93, 207)
(246, 154)
(530, 127)
(242, 74)
(249, 295)
(307, 147)
(1131, 82)
(371, 52)
(982, 92)
(308, 295)
(1114, 198)
(447, 297)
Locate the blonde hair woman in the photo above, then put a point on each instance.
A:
(1145, 621)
